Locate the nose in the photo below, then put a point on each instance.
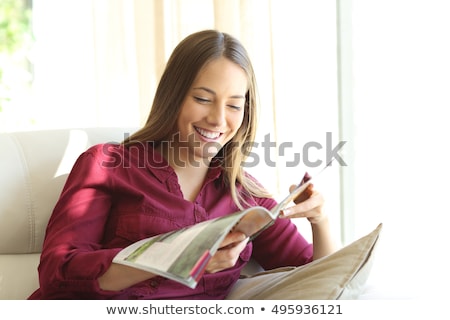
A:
(216, 115)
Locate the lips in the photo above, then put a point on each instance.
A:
(208, 134)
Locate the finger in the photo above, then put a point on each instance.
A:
(305, 208)
(314, 200)
(235, 248)
(306, 194)
(226, 257)
(232, 238)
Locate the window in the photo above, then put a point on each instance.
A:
(15, 63)
(397, 69)
(97, 63)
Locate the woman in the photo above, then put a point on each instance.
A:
(181, 168)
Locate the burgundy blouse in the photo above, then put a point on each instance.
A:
(116, 195)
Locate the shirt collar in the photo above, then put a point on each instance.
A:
(161, 169)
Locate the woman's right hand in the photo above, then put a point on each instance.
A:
(228, 252)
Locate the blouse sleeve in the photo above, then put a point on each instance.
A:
(72, 258)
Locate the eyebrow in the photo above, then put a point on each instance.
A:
(238, 96)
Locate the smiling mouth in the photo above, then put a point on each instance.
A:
(208, 134)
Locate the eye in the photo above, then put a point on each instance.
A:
(201, 100)
(237, 108)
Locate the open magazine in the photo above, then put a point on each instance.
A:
(182, 255)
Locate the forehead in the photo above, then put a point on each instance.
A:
(221, 67)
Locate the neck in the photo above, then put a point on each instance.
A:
(191, 172)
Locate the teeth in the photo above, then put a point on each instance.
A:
(208, 134)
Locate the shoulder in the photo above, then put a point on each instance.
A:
(106, 154)
(137, 156)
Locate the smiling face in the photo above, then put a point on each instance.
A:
(212, 111)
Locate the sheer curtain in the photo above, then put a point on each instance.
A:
(85, 68)
(97, 63)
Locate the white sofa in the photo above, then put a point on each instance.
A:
(33, 168)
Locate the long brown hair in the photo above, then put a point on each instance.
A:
(184, 64)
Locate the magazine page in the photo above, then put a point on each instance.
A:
(258, 219)
(180, 255)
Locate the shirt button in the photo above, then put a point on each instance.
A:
(198, 215)
(153, 283)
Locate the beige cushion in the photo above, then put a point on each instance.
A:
(341, 275)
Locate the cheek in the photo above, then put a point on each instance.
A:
(185, 116)
(236, 121)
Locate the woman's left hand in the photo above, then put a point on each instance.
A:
(309, 204)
